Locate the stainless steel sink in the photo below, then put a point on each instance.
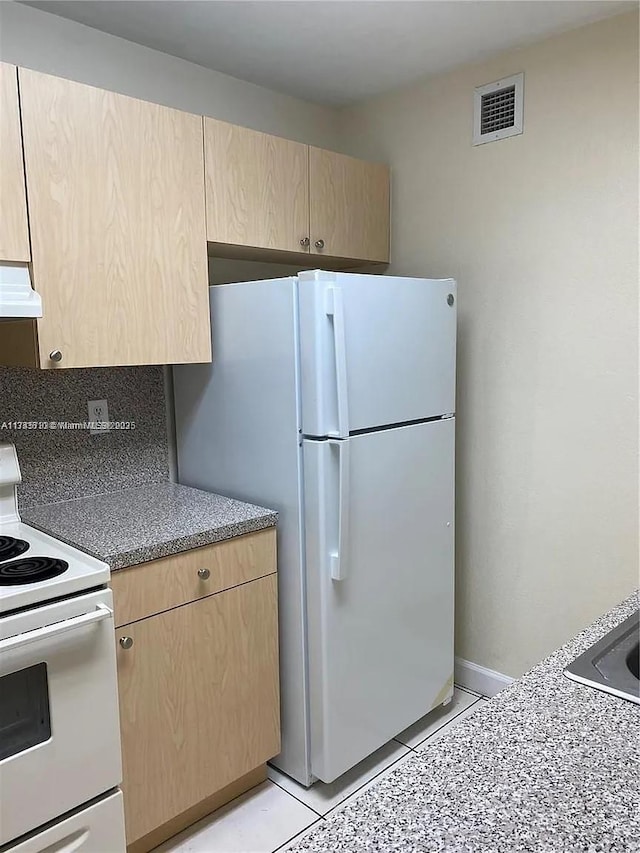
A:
(612, 664)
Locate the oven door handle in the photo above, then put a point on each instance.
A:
(19, 640)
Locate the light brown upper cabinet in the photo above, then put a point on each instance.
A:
(349, 211)
(117, 219)
(257, 188)
(268, 193)
(14, 230)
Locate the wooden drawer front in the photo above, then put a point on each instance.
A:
(159, 585)
(199, 701)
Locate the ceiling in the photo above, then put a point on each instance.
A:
(332, 51)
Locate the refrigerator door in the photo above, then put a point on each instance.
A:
(379, 513)
(375, 351)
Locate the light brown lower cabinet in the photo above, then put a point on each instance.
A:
(199, 705)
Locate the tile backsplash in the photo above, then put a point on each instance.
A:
(61, 464)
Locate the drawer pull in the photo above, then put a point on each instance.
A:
(204, 574)
(126, 642)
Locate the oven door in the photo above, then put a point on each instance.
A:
(59, 727)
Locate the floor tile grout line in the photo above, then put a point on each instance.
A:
(366, 782)
(477, 696)
(384, 769)
(352, 794)
(469, 691)
(404, 744)
(282, 788)
(444, 725)
(302, 831)
(213, 814)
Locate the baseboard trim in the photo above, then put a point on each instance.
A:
(479, 678)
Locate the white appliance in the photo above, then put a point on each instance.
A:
(59, 728)
(17, 298)
(331, 398)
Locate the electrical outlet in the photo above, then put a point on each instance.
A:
(98, 411)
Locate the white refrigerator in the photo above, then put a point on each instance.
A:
(331, 398)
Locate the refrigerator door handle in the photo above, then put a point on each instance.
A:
(335, 309)
(338, 558)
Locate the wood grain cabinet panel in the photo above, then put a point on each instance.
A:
(14, 228)
(257, 188)
(116, 209)
(199, 701)
(349, 206)
(159, 585)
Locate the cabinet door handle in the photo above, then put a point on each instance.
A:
(126, 642)
(55, 355)
(319, 244)
(304, 242)
(204, 574)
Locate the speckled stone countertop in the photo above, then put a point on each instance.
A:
(135, 525)
(547, 766)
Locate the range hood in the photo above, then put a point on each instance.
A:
(17, 297)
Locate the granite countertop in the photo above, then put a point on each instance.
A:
(547, 766)
(135, 525)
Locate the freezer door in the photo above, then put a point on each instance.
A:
(375, 350)
(379, 512)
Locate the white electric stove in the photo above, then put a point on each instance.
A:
(60, 763)
(35, 567)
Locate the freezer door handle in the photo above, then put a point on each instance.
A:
(338, 558)
(335, 310)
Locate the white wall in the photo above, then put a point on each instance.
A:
(541, 231)
(54, 45)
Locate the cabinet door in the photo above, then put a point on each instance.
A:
(199, 701)
(116, 208)
(349, 206)
(257, 188)
(14, 230)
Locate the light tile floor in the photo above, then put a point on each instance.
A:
(278, 812)
(324, 798)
